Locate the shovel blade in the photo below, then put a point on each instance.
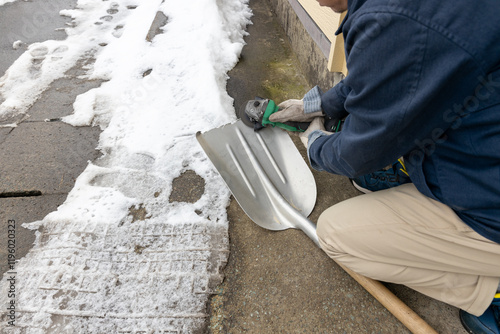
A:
(261, 169)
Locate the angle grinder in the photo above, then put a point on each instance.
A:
(255, 113)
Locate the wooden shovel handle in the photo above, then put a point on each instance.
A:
(392, 303)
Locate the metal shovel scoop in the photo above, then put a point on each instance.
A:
(274, 186)
(266, 174)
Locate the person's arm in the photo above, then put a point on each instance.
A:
(401, 78)
(332, 102)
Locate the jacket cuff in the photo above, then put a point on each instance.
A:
(311, 138)
(312, 100)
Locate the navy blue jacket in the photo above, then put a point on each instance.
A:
(423, 83)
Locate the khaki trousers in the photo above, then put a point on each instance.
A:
(400, 236)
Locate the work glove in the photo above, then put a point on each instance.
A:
(316, 124)
(293, 111)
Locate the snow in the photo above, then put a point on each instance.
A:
(3, 2)
(94, 268)
(17, 44)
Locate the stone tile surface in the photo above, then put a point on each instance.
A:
(45, 156)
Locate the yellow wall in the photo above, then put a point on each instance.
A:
(328, 21)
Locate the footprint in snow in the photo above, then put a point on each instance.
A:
(38, 55)
(118, 31)
(113, 9)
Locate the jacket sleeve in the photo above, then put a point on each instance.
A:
(395, 93)
(332, 102)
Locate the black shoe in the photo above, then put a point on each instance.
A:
(487, 323)
(382, 179)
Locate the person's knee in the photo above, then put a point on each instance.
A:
(328, 229)
(339, 236)
(325, 226)
(337, 226)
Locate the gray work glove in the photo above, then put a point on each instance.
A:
(316, 124)
(293, 111)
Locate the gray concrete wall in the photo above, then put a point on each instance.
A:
(310, 56)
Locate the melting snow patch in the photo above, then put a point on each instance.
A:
(17, 44)
(3, 2)
(118, 255)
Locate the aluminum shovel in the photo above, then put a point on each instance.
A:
(274, 186)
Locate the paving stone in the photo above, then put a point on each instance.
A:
(159, 21)
(4, 132)
(57, 101)
(188, 187)
(23, 210)
(46, 156)
(9, 119)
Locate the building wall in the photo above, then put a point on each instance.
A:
(311, 57)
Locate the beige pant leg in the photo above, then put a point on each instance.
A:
(399, 235)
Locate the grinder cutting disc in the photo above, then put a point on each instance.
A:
(251, 112)
(244, 117)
